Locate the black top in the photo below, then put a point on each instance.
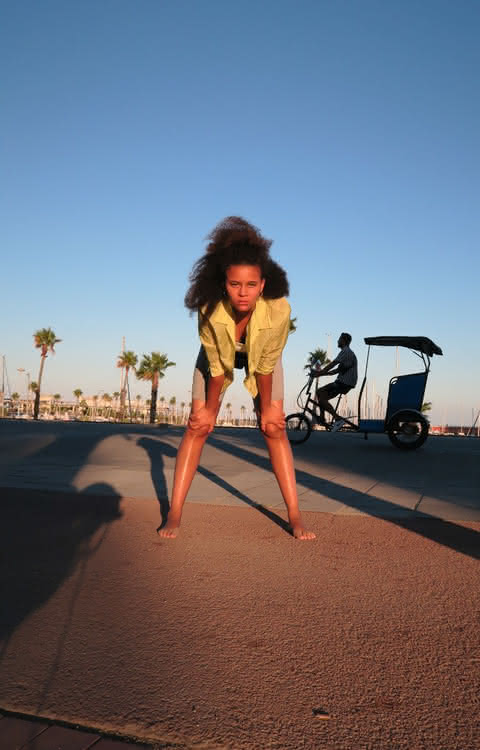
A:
(419, 343)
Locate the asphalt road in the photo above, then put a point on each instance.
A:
(235, 635)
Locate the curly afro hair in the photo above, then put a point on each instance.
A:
(234, 241)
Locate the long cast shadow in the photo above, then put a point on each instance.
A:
(447, 533)
(156, 449)
(45, 534)
(93, 512)
(408, 469)
(151, 447)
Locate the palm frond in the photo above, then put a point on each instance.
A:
(45, 339)
(127, 359)
(153, 365)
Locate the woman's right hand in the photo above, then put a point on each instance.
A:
(203, 420)
(273, 416)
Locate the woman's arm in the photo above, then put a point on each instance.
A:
(214, 389)
(210, 345)
(269, 413)
(264, 385)
(275, 346)
(203, 419)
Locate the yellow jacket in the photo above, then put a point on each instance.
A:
(267, 333)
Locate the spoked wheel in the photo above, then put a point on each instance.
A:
(408, 430)
(298, 428)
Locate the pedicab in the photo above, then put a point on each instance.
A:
(404, 423)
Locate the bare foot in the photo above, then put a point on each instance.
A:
(300, 532)
(170, 530)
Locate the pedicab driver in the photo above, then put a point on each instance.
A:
(347, 375)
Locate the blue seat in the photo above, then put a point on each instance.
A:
(406, 392)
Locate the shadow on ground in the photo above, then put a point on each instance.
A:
(45, 535)
(157, 449)
(447, 533)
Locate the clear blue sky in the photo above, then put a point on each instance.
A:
(347, 131)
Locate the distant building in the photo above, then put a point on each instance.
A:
(457, 430)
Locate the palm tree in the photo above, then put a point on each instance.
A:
(172, 403)
(318, 355)
(293, 325)
(56, 400)
(45, 340)
(243, 410)
(228, 408)
(162, 404)
(125, 361)
(426, 407)
(33, 387)
(77, 393)
(152, 367)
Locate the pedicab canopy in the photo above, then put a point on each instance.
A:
(418, 343)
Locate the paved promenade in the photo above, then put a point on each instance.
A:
(235, 635)
(341, 474)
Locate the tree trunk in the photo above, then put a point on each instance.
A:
(153, 402)
(123, 393)
(128, 393)
(36, 407)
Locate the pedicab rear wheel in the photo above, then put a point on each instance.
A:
(298, 428)
(408, 430)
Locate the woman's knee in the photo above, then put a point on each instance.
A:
(198, 432)
(273, 430)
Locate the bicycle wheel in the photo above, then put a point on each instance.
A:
(408, 430)
(298, 428)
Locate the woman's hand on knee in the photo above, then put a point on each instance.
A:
(272, 422)
(202, 421)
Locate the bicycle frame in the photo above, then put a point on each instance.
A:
(312, 402)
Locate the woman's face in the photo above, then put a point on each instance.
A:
(244, 285)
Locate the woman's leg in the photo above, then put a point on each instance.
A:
(188, 458)
(282, 464)
(190, 451)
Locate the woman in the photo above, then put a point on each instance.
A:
(239, 293)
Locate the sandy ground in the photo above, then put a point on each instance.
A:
(235, 635)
